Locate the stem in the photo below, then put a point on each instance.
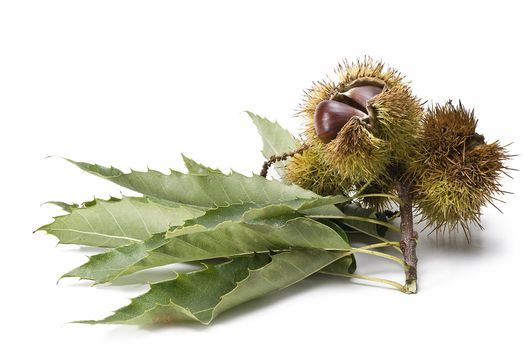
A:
(355, 218)
(278, 158)
(382, 239)
(409, 237)
(379, 195)
(379, 245)
(381, 255)
(367, 278)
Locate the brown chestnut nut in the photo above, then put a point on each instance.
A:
(361, 95)
(330, 116)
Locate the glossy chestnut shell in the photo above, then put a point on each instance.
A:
(331, 115)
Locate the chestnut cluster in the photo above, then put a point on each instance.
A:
(367, 133)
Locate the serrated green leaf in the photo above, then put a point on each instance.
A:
(194, 167)
(68, 207)
(116, 222)
(203, 295)
(276, 140)
(213, 189)
(227, 239)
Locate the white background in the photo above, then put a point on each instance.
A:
(136, 83)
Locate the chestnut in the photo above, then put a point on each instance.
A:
(330, 116)
(360, 95)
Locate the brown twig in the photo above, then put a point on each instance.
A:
(273, 159)
(409, 237)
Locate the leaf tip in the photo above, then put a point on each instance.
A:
(254, 117)
(42, 228)
(53, 156)
(90, 322)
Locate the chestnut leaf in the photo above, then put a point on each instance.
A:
(202, 295)
(197, 242)
(208, 189)
(116, 222)
(276, 140)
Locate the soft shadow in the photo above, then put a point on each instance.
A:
(457, 242)
(270, 301)
(193, 326)
(126, 331)
(454, 241)
(308, 285)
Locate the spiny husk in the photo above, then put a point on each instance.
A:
(359, 154)
(310, 171)
(398, 116)
(455, 172)
(348, 74)
(446, 128)
(376, 203)
(447, 132)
